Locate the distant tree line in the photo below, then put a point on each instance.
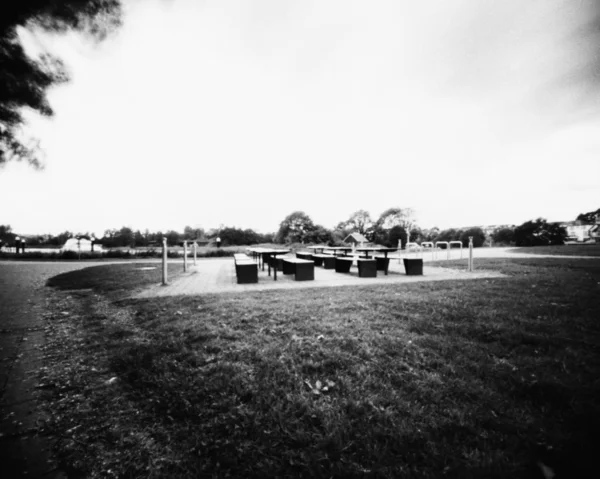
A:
(393, 225)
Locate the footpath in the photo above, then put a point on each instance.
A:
(23, 451)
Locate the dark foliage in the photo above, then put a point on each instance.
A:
(477, 234)
(503, 236)
(539, 232)
(590, 218)
(25, 80)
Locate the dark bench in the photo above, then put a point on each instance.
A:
(304, 255)
(246, 270)
(302, 269)
(325, 260)
(382, 263)
(343, 263)
(413, 266)
(367, 268)
(276, 262)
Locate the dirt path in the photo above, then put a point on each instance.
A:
(23, 451)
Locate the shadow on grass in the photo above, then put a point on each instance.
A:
(110, 279)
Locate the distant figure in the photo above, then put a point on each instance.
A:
(218, 242)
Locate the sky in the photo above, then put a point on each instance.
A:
(237, 113)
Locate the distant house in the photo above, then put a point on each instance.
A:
(356, 238)
(580, 231)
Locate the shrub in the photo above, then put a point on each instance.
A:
(539, 233)
(477, 234)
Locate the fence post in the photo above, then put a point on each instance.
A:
(164, 262)
(184, 256)
(470, 253)
(195, 248)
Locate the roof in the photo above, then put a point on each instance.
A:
(356, 237)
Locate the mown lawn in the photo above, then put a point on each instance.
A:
(564, 249)
(488, 378)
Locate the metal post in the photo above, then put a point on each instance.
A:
(164, 262)
(470, 253)
(195, 248)
(184, 256)
(17, 244)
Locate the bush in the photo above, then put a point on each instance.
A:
(539, 233)
(477, 234)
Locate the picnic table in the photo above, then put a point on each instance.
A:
(317, 248)
(267, 253)
(343, 249)
(385, 260)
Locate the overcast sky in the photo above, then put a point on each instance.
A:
(212, 112)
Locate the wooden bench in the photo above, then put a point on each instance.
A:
(325, 260)
(343, 263)
(367, 268)
(304, 255)
(246, 270)
(302, 269)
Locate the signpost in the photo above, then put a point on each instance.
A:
(164, 261)
(470, 253)
(184, 256)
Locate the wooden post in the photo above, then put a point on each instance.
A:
(470, 253)
(184, 256)
(195, 248)
(164, 262)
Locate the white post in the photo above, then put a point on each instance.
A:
(399, 251)
(195, 248)
(470, 253)
(184, 256)
(164, 262)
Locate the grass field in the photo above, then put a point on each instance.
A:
(565, 249)
(463, 379)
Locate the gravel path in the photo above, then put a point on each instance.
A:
(23, 453)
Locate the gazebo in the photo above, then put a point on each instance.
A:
(356, 239)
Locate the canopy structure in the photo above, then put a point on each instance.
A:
(356, 238)
(83, 244)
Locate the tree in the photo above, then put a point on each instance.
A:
(450, 234)
(396, 217)
(6, 233)
(591, 217)
(319, 234)
(25, 80)
(503, 236)
(379, 231)
(416, 234)
(190, 233)
(173, 237)
(478, 237)
(539, 232)
(295, 228)
(430, 234)
(360, 221)
(396, 233)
